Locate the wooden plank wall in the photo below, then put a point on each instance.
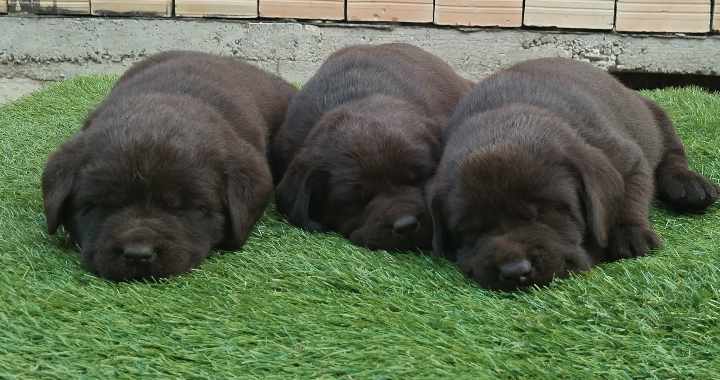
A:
(69, 7)
(691, 16)
(585, 14)
(390, 10)
(154, 8)
(216, 8)
(664, 16)
(303, 9)
(505, 13)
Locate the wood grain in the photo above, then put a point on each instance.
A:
(303, 9)
(690, 16)
(584, 14)
(157, 8)
(505, 13)
(216, 8)
(393, 11)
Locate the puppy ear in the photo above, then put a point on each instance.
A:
(434, 128)
(295, 192)
(441, 246)
(248, 189)
(303, 179)
(58, 179)
(603, 190)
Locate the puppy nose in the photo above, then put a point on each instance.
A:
(405, 224)
(516, 271)
(139, 252)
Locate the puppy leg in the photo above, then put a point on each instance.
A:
(632, 235)
(678, 186)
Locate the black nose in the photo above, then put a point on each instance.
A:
(516, 271)
(405, 224)
(139, 252)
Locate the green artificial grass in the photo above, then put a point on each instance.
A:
(296, 305)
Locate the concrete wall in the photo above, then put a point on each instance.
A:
(54, 48)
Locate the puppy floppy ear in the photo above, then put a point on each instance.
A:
(303, 180)
(294, 194)
(247, 192)
(603, 190)
(58, 179)
(433, 137)
(441, 245)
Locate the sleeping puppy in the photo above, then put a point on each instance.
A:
(549, 167)
(359, 142)
(171, 164)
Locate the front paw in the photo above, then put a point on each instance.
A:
(685, 190)
(631, 240)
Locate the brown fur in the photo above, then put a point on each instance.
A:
(359, 142)
(170, 165)
(549, 167)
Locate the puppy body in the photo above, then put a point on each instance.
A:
(360, 140)
(549, 167)
(171, 164)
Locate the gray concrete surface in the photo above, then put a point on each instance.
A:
(54, 48)
(14, 88)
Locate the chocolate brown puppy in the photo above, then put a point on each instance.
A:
(549, 167)
(170, 165)
(360, 140)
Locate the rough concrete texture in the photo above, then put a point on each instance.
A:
(14, 88)
(53, 48)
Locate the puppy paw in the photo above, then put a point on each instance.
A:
(631, 240)
(686, 190)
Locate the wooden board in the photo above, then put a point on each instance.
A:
(506, 13)
(157, 8)
(303, 9)
(392, 10)
(584, 14)
(216, 8)
(716, 19)
(690, 16)
(55, 7)
(3, 6)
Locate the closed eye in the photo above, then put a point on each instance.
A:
(417, 175)
(355, 195)
(171, 203)
(90, 207)
(194, 205)
(554, 206)
(362, 193)
(562, 207)
(87, 208)
(203, 209)
(472, 232)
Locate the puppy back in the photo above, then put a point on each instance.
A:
(588, 99)
(357, 72)
(253, 101)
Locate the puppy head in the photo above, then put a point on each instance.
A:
(517, 216)
(144, 195)
(364, 177)
(390, 220)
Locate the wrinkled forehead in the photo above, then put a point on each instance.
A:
(400, 201)
(119, 178)
(513, 196)
(390, 160)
